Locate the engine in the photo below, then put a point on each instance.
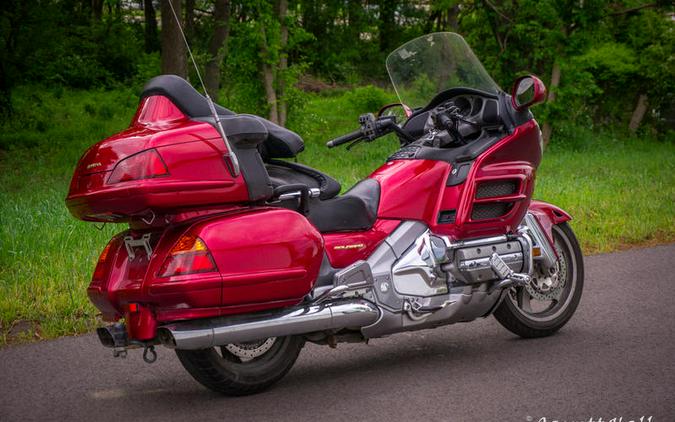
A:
(433, 265)
(424, 280)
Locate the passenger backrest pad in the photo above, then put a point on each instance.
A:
(245, 133)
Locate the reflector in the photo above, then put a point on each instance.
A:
(188, 256)
(101, 268)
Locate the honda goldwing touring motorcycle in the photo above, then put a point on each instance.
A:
(235, 258)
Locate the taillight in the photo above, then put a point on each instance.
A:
(188, 256)
(101, 266)
(144, 165)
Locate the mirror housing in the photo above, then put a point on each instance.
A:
(527, 91)
(390, 110)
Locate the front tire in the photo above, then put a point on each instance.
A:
(245, 368)
(518, 312)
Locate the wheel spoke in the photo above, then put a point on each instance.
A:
(555, 297)
(524, 299)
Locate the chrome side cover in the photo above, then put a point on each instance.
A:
(418, 272)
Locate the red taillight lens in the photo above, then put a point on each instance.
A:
(188, 256)
(102, 264)
(144, 165)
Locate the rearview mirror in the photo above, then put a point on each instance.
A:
(527, 91)
(401, 111)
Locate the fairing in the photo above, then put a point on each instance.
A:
(416, 189)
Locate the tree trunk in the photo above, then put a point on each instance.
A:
(151, 40)
(453, 18)
(97, 9)
(387, 24)
(217, 47)
(555, 82)
(638, 113)
(174, 59)
(283, 62)
(190, 18)
(268, 80)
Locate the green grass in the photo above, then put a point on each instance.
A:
(621, 193)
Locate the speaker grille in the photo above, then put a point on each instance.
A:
(496, 188)
(490, 210)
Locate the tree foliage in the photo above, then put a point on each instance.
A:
(600, 58)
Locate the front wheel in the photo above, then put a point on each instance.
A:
(242, 368)
(548, 302)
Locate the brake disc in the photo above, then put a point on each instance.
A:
(251, 350)
(549, 286)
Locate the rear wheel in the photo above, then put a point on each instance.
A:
(242, 368)
(549, 301)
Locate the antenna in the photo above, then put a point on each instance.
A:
(212, 107)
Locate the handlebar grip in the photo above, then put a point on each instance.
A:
(344, 139)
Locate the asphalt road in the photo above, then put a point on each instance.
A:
(616, 358)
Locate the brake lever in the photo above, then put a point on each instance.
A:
(353, 144)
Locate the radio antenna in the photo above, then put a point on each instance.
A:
(230, 152)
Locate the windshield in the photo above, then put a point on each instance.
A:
(425, 66)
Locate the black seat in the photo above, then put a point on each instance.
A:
(355, 210)
(280, 142)
(284, 173)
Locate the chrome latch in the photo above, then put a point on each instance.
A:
(130, 243)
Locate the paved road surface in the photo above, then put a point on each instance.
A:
(615, 358)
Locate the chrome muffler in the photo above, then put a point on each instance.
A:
(333, 315)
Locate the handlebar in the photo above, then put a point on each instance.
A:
(371, 129)
(357, 134)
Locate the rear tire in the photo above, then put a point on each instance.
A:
(237, 374)
(527, 323)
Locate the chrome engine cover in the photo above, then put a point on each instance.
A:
(418, 272)
(473, 263)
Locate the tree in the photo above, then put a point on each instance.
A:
(151, 39)
(189, 25)
(282, 9)
(387, 23)
(217, 47)
(174, 59)
(274, 66)
(97, 9)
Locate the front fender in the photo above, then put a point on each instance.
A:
(548, 215)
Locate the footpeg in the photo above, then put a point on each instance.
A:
(508, 277)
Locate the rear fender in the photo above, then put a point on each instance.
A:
(548, 215)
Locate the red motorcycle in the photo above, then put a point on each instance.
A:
(235, 257)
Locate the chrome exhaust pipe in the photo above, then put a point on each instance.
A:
(114, 336)
(202, 334)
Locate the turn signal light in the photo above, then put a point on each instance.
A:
(188, 256)
(144, 165)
